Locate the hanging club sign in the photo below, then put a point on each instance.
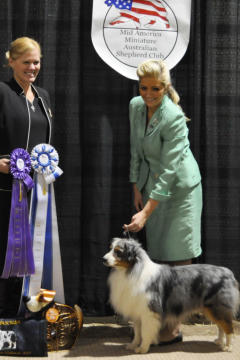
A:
(127, 32)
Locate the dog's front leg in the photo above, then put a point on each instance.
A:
(137, 336)
(149, 333)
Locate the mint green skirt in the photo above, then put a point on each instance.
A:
(173, 230)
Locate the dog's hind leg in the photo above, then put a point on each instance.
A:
(150, 326)
(220, 339)
(229, 342)
(137, 336)
(224, 325)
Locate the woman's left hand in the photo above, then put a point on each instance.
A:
(137, 222)
(139, 219)
(4, 165)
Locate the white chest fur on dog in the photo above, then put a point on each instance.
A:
(128, 294)
(153, 296)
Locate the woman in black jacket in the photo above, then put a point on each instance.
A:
(25, 121)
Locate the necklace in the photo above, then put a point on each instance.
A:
(32, 106)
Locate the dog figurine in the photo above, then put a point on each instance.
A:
(39, 301)
(63, 321)
(153, 296)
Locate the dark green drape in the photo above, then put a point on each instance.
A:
(208, 78)
(91, 133)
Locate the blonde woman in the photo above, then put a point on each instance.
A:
(25, 121)
(166, 179)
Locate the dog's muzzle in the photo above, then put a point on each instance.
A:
(109, 259)
(105, 262)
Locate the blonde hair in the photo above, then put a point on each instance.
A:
(20, 46)
(158, 70)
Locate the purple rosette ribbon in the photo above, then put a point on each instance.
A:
(19, 259)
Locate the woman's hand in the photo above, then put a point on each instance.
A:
(4, 166)
(138, 201)
(137, 222)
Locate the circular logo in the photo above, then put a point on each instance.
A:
(43, 159)
(20, 164)
(135, 37)
(52, 315)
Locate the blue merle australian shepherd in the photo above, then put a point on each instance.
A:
(153, 296)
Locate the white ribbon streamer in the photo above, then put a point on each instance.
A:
(39, 235)
(57, 263)
(35, 283)
(44, 160)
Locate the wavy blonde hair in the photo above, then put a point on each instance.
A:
(158, 70)
(20, 46)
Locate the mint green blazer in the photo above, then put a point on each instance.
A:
(161, 160)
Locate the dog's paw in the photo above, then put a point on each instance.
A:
(220, 342)
(141, 350)
(227, 348)
(131, 346)
(223, 346)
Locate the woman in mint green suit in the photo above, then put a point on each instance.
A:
(165, 176)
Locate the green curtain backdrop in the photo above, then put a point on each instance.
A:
(91, 133)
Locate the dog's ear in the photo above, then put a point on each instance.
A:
(131, 252)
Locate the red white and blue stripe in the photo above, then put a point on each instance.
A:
(134, 10)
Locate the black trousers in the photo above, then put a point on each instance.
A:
(10, 293)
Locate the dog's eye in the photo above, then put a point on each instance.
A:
(118, 252)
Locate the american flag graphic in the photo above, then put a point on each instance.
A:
(143, 12)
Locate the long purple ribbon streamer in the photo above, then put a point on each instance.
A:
(19, 259)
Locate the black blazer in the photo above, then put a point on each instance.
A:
(14, 120)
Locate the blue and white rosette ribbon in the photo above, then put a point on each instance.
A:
(19, 255)
(43, 222)
(45, 160)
